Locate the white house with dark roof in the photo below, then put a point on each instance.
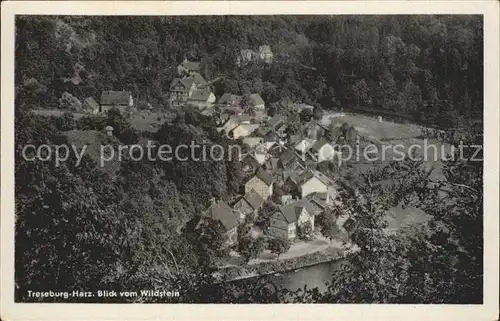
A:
(285, 221)
(310, 181)
(201, 98)
(122, 100)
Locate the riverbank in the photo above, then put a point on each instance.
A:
(233, 273)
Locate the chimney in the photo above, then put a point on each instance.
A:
(109, 130)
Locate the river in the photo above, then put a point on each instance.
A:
(312, 276)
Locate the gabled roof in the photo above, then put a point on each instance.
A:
(271, 136)
(254, 199)
(252, 141)
(320, 143)
(230, 99)
(293, 175)
(92, 103)
(256, 99)
(324, 179)
(112, 97)
(251, 160)
(222, 212)
(242, 118)
(292, 211)
(271, 164)
(276, 120)
(190, 65)
(287, 156)
(264, 176)
(198, 80)
(249, 128)
(208, 111)
(288, 212)
(304, 203)
(200, 95)
(304, 177)
(305, 144)
(186, 82)
(231, 109)
(318, 198)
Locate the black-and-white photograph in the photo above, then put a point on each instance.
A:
(249, 159)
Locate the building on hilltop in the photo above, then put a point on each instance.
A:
(263, 53)
(266, 54)
(187, 67)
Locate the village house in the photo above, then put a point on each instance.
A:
(250, 203)
(199, 81)
(201, 98)
(271, 136)
(90, 106)
(257, 102)
(289, 160)
(187, 67)
(314, 130)
(320, 201)
(208, 111)
(229, 100)
(322, 151)
(253, 141)
(259, 106)
(266, 54)
(249, 163)
(122, 100)
(220, 211)
(309, 182)
(243, 130)
(180, 90)
(290, 217)
(272, 165)
(276, 122)
(304, 145)
(262, 183)
(245, 56)
(192, 89)
(233, 122)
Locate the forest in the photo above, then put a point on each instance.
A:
(82, 228)
(426, 67)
